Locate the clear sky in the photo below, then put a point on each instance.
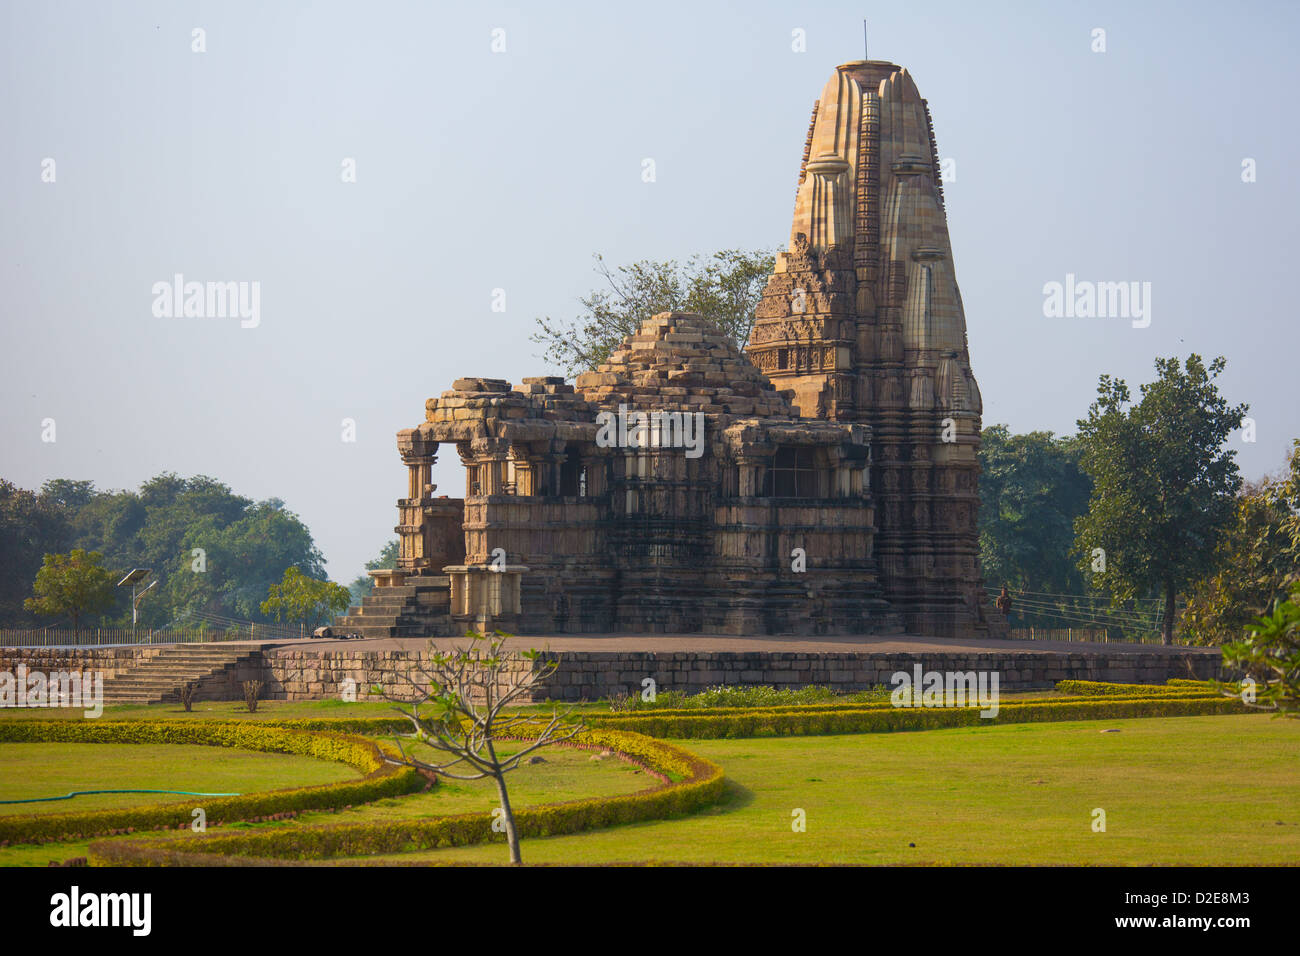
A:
(479, 170)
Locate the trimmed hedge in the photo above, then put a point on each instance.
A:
(887, 719)
(382, 778)
(621, 718)
(367, 726)
(1094, 688)
(700, 783)
(702, 723)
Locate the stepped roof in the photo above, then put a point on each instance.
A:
(680, 361)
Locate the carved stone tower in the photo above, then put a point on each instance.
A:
(863, 321)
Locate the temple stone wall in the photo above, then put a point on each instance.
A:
(320, 674)
(308, 675)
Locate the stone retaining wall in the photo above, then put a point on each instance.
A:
(308, 675)
(110, 660)
(588, 675)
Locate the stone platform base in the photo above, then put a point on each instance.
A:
(595, 667)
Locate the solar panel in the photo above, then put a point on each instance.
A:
(135, 576)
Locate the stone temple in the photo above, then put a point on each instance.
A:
(824, 481)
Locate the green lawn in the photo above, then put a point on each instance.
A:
(55, 769)
(563, 774)
(1187, 790)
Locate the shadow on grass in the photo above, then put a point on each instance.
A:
(734, 797)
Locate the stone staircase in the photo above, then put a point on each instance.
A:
(410, 610)
(158, 678)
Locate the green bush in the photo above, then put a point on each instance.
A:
(382, 779)
(884, 719)
(1092, 688)
(627, 718)
(699, 782)
(745, 696)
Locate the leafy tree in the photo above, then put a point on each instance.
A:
(68, 494)
(1256, 562)
(1031, 490)
(31, 526)
(1271, 656)
(300, 598)
(242, 559)
(75, 584)
(726, 287)
(360, 585)
(459, 712)
(214, 553)
(1164, 486)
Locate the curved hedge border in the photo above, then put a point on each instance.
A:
(697, 783)
(382, 779)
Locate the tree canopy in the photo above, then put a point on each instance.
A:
(298, 597)
(387, 558)
(31, 526)
(725, 286)
(72, 585)
(213, 552)
(1163, 483)
(1031, 491)
(1257, 561)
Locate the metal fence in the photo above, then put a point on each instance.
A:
(1096, 635)
(106, 636)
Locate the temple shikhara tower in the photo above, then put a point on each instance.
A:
(863, 320)
(823, 481)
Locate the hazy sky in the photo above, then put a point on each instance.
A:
(478, 171)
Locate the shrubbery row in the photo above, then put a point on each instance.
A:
(745, 723)
(1094, 688)
(796, 715)
(699, 783)
(624, 718)
(742, 695)
(382, 779)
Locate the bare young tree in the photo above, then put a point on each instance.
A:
(459, 708)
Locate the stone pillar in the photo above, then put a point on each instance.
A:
(486, 597)
(752, 469)
(419, 455)
(836, 478)
(550, 467)
(594, 466)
